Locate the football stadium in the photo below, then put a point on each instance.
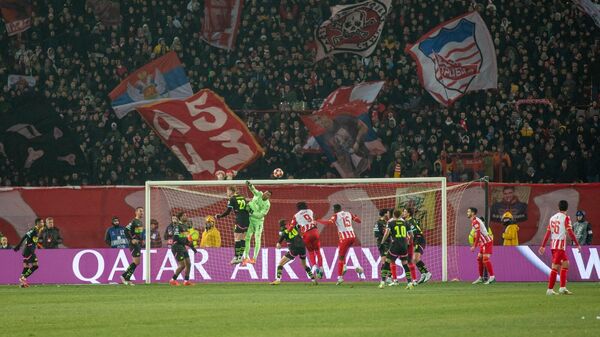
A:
(363, 168)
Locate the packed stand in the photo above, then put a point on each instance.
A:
(545, 49)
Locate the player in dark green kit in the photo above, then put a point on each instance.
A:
(238, 204)
(291, 234)
(180, 241)
(414, 227)
(30, 261)
(133, 232)
(398, 230)
(383, 247)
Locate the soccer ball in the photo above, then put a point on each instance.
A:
(277, 173)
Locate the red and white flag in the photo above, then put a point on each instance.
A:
(203, 133)
(456, 57)
(590, 8)
(17, 15)
(352, 28)
(221, 22)
(342, 127)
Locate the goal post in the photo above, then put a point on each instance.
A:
(364, 197)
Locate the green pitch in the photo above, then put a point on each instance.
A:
(360, 309)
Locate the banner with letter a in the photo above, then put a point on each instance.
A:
(159, 79)
(342, 127)
(203, 133)
(221, 22)
(456, 57)
(17, 15)
(352, 28)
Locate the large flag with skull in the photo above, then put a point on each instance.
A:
(160, 79)
(456, 57)
(352, 28)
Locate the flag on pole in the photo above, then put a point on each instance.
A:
(222, 22)
(352, 28)
(456, 57)
(159, 79)
(342, 127)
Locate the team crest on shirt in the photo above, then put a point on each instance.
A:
(455, 54)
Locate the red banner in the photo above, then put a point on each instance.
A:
(17, 15)
(221, 22)
(84, 213)
(203, 133)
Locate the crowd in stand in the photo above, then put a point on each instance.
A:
(545, 50)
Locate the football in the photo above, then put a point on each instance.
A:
(277, 173)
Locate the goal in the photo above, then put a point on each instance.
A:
(436, 204)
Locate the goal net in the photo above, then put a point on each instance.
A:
(436, 205)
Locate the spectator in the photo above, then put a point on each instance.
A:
(211, 237)
(511, 230)
(115, 235)
(77, 64)
(168, 235)
(582, 229)
(4, 243)
(155, 240)
(50, 237)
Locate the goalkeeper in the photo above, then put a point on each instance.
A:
(259, 207)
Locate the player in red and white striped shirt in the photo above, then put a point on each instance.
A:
(305, 220)
(485, 243)
(558, 228)
(343, 221)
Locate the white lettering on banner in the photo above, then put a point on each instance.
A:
(169, 257)
(152, 251)
(351, 257)
(372, 262)
(249, 267)
(120, 264)
(265, 264)
(174, 124)
(198, 265)
(99, 270)
(328, 268)
(197, 165)
(287, 268)
(401, 273)
(230, 140)
(201, 123)
(593, 263)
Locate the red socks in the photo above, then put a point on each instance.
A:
(563, 276)
(413, 271)
(340, 267)
(552, 279)
(393, 270)
(319, 257)
(311, 257)
(480, 266)
(488, 266)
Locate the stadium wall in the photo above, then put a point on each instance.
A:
(84, 213)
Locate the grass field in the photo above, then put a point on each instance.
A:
(360, 309)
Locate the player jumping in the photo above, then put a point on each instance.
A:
(238, 204)
(305, 220)
(418, 244)
(180, 241)
(558, 228)
(133, 232)
(259, 207)
(485, 243)
(397, 229)
(30, 261)
(343, 221)
(291, 234)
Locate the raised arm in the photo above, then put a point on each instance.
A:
(253, 189)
